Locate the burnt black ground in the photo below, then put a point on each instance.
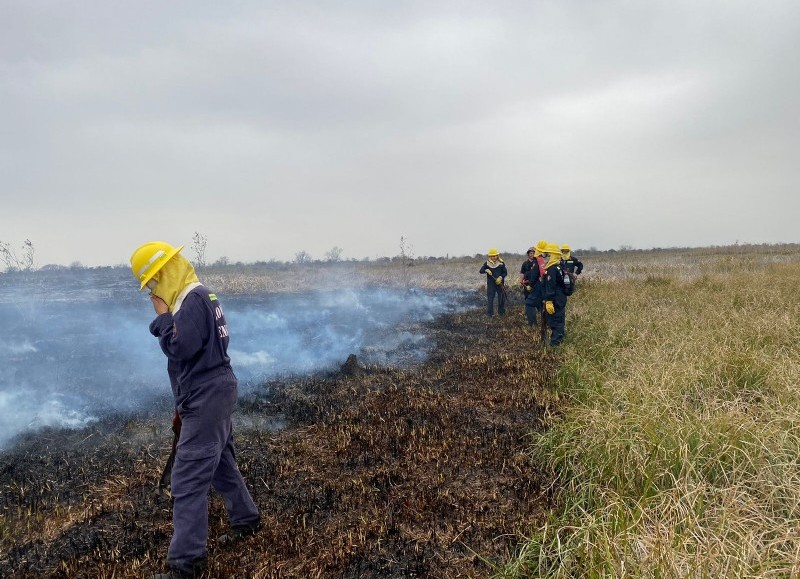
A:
(418, 472)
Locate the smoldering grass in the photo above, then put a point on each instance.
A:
(676, 455)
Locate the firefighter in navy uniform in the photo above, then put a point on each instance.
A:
(570, 262)
(496, 272)
(554, 295)
(191, 330)
(532, 283)
(525, 268)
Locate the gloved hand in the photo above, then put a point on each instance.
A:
(499, 280)
(549, 307)
(489, 272)
(528, 288)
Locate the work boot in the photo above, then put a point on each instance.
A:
(174, 574)
(236, 534)
(196, 571)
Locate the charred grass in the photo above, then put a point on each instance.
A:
(381, 472)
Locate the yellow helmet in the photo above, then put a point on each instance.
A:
(541, 245)
(565, 248)
(552, 248)
(493, 252)
(148, 259)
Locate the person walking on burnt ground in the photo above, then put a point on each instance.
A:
(571, 265)
(193, 334)
(496, 274)
(554, 294)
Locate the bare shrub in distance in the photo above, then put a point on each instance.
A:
(302, 256)
(334, 255)
(406, 251)
(13, 262)
(199, 242)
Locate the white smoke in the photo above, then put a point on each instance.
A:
(77, 350)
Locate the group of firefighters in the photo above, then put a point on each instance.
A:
(547, 277)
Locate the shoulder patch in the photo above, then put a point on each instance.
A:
(212, 297)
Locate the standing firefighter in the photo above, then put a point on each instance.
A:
(191, 330)
(570, 263)
(525, 268)
(554, 294)
(496, 273)
(532, 283)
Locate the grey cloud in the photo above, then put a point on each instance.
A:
(419, 114)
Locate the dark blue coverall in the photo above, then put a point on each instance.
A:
(195, 341)
(492, 288)
(553, 290)
(526, 266)
(533, 298)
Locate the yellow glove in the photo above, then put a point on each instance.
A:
(549, 307)
(489, 272)
(498, 280)
(528, 288)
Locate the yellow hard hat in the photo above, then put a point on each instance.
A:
(493, 251)
(148, 259)
(552, 248)
(541, 245)
(565, 247)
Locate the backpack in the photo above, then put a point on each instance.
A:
(570, 279)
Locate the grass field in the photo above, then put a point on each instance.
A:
(678, 451)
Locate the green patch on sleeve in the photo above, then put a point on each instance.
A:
(212, 297)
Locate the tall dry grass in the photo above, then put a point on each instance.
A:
(433, 275)
(678, 454)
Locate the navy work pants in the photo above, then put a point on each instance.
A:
(532, 312)
(205, 459)
(556, 323)
(493, 289)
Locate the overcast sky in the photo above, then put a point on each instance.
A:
(275, 127)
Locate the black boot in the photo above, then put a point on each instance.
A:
(236, 534)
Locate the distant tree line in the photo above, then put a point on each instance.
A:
(13, 260)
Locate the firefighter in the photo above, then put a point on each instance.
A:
(540, 247)
(554, 294)
(192, 332)
(525, 268)
(570, 263)
(496, 273)
(532, 282)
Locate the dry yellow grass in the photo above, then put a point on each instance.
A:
(427, 275)
(678, 452)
